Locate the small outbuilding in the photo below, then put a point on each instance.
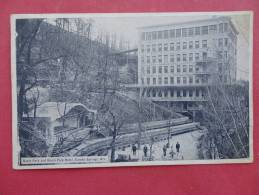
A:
(56, 119)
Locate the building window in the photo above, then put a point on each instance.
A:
(142, 59)
(190, 79)
(190, 57)
(153, 47)
(197, 44)
(225, 55)
(159, 80)
(160, 47)
(154, 35)
(165, 93)
(190, 68)
(178, 32)
(166, 80)
(197, 31)
(160, 58)
(184, 68)
(148, 59)
(178, 68)
(184, 45)
(172, 69)
(165, 58)
(148, 48)
(226, 42)
(178, 93)
(204, 55)
(213, 28)
(159, 36)
(225, 27)
(148, 70)
(172, 33)
(154, 93)
(197, 93)
(166, 34)
(171, 58)
(142, 81)
(165, 47)
(220, 54)
(153, 69)
(178, 80)
(160, 69)
(165, 69)
(154, 81)
(221, 28)
(184, 57)
(220, 42)
(148, 81)
(142, 48)
(197, 80)
(184, 32)
(190, 44)
(184, 80)
(172, 93)
(142, 70)
(154, 59)
(149, 36)
(190, 93)
(171, 80)
(204, 43)
(178, 46)
(178, 58)
(160, 93)
(190, 31)
(171, 46)
(184, 93)
(197, 56)
(204, 30)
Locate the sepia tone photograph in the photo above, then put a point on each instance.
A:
(101, 90)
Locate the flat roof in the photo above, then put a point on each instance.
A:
(175, 24)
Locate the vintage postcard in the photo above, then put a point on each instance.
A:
(101, 90)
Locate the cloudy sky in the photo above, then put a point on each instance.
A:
(125, 26)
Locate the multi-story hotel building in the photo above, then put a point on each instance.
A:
(176, 62)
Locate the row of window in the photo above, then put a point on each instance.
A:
(165, 69)
(173, 46)
(177, 93)
(181, 57)
(178, 45)
(185, 32)
(171, 58)
(174, 80)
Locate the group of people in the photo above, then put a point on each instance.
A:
(165, 148)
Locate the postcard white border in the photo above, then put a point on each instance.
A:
(15, 140)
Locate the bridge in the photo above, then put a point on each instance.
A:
(92, 147)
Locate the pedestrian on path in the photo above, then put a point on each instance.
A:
(164, 150)
(145, 150)
(134, 149)
(177, 147)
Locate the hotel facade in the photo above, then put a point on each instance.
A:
(177, 62)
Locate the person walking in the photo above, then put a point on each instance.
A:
(134, 149)
(164, 150)
(177, 147)
(145, 150)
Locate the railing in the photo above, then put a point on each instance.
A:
(177, 99)
(125, 140)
